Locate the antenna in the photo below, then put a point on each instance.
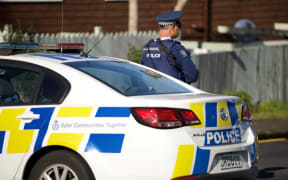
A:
(85, 54)
(62, 26)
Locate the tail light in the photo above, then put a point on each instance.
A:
(165, 118)
(246, 115)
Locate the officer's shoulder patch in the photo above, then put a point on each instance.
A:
(183, 53)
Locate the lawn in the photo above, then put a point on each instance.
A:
(270, 110)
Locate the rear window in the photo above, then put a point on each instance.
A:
(129, 79)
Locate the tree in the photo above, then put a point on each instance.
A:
(133, 16)
(180, 5)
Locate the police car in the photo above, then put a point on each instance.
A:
(66, 116)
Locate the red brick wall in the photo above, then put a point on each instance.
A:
(78, 15)
(83, 15)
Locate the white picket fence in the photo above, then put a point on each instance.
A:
(108, 44)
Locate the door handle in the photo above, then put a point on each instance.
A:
(28, 116)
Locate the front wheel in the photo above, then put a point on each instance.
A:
(60, 164)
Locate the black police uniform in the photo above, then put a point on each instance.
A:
(169, 56)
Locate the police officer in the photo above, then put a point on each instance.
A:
(167, 55)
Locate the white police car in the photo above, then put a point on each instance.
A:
(63, 116)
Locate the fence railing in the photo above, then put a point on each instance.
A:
(261, 71)
(109, 44)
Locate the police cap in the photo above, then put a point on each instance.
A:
(169, 18)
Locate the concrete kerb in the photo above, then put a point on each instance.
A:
(271, 128)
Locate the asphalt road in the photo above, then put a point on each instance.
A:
(273, 162)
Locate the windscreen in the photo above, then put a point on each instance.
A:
(129, 79)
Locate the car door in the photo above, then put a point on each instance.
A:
(28, 95)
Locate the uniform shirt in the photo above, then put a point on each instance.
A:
(164, 63)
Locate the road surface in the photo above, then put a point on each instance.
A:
(273, 162)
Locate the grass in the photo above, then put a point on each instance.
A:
(270, 110)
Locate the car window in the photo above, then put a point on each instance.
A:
(25, 84)
(53, 89)
(129, 79)
(17, 85)
(117, 80)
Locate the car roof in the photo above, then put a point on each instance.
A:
(57, 58)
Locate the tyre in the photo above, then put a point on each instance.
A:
(61, 164)
(252, 177)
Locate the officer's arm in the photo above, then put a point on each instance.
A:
(189, 69)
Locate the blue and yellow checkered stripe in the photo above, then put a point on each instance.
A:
(192, 160)
(209, 114)
(20, 140)
(189, 155)
(104, 142)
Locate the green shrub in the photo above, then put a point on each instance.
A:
(243, 95)
(134, 54)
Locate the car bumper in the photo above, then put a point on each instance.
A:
(244, 174)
